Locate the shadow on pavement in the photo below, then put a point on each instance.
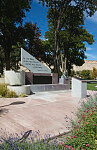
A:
(14, 103)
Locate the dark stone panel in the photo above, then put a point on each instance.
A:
(54, 78)
(42, 79)
(28, 78)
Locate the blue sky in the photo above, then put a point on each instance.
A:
(38, 14)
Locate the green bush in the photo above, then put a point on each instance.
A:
(23, 95)
(11, 94)
(94, 73)
(4, 92)
(72, 73)
(84, 74)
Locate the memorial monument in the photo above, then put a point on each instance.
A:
(25, 82)
(33, 64)
(38, 72)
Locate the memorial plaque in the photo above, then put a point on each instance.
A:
(32, 63)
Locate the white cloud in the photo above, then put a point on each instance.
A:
(90, 55)
(93, 18)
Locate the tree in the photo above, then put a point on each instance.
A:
(56, 15)
(94, 73)
(2, 62)
(72, 38)
(32, 42)
(11, 17)
(48, 49)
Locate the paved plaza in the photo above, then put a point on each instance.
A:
(48, 112)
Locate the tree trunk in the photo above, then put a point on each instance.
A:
(2, 65)
(56, 49)
(55, 55)
(7, 59)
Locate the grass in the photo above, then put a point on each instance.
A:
(92, 86)
(82, 137)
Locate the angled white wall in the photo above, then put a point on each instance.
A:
(32, 63)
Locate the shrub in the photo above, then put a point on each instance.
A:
(11, 94)
(23, 95)
(85, 74)
(72, 73)
(14, 143)
(94, 73)
(4, 92)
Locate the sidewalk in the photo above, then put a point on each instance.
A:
(47, 112)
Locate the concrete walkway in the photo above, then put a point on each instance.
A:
(47, 112)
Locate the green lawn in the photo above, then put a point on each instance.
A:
(91, 86)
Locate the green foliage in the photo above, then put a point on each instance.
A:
(92, 86)
(85, 74)
(4, 92)
(48, 49)
(72, 73)
(23, 95)
(11, 17)
(94, 73)
(14, 144)
(66, 31)
(33, 43)
(11, 94)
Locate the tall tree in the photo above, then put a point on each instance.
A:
(33, 43)
(57, 9)
(11, 17)
(29, 34)
(2, 62)
(48, 50)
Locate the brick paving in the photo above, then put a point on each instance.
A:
(43, 111)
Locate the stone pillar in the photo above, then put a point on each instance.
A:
(79, 88)
(67, 81)
(54, 78)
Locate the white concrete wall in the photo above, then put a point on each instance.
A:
(79, 88)
(24, 89)
(15, 78)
